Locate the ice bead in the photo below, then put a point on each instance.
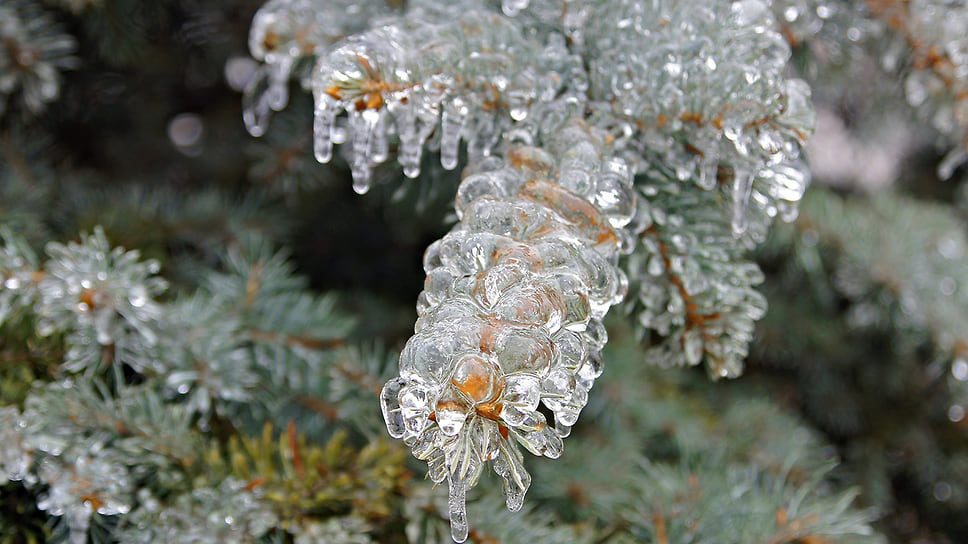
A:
(390, 404)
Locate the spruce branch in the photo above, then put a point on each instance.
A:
(511, 313)
(287, 36)
(33, 51)
(936, 48)
(928, 286)
(694, 288)
(440, 73)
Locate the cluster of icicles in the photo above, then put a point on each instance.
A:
(435, 77)
(511, 314)
(283, 34)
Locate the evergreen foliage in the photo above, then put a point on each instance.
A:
(206, 335)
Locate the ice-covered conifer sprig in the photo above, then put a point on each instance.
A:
(451, 74)
(83, 452)
(922, 42)
(932, 33)
(691, 282)
(246, 339)
(19, 274)
(673, 504)
(831, 31)
(284, 33)
(702, 90)
(925, 270)
(34, 52)
(511, 313)
(102, 297)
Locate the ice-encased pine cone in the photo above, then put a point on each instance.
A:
(511, 314)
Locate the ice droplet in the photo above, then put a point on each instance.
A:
(451, 124)
(512, 7)
(411, 170)
(692, 343)
(255, 104)
(390, 405)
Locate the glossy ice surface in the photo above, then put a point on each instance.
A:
(511, 313)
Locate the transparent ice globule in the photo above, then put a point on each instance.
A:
(511, 314)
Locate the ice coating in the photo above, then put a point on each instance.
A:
(432, 78)
(283, 33)
(701, 89)
(510, 316)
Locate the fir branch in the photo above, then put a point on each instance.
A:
(694, 288)
(456, 85)
(303, 483)
(33, 51)
(922, 268)
(294, 341)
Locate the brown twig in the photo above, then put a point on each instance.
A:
(362, 379)
(293, 340)
(694, 318)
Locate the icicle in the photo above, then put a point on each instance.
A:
(411, 144)
(708, 167)
(510, 466)
(457, 504)
(451, 125)
(363, 125)
(323, 123)
(278, 76)
(255, 104)
(360, 169)
(742, 187)
(379, 147)
(955, 158)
